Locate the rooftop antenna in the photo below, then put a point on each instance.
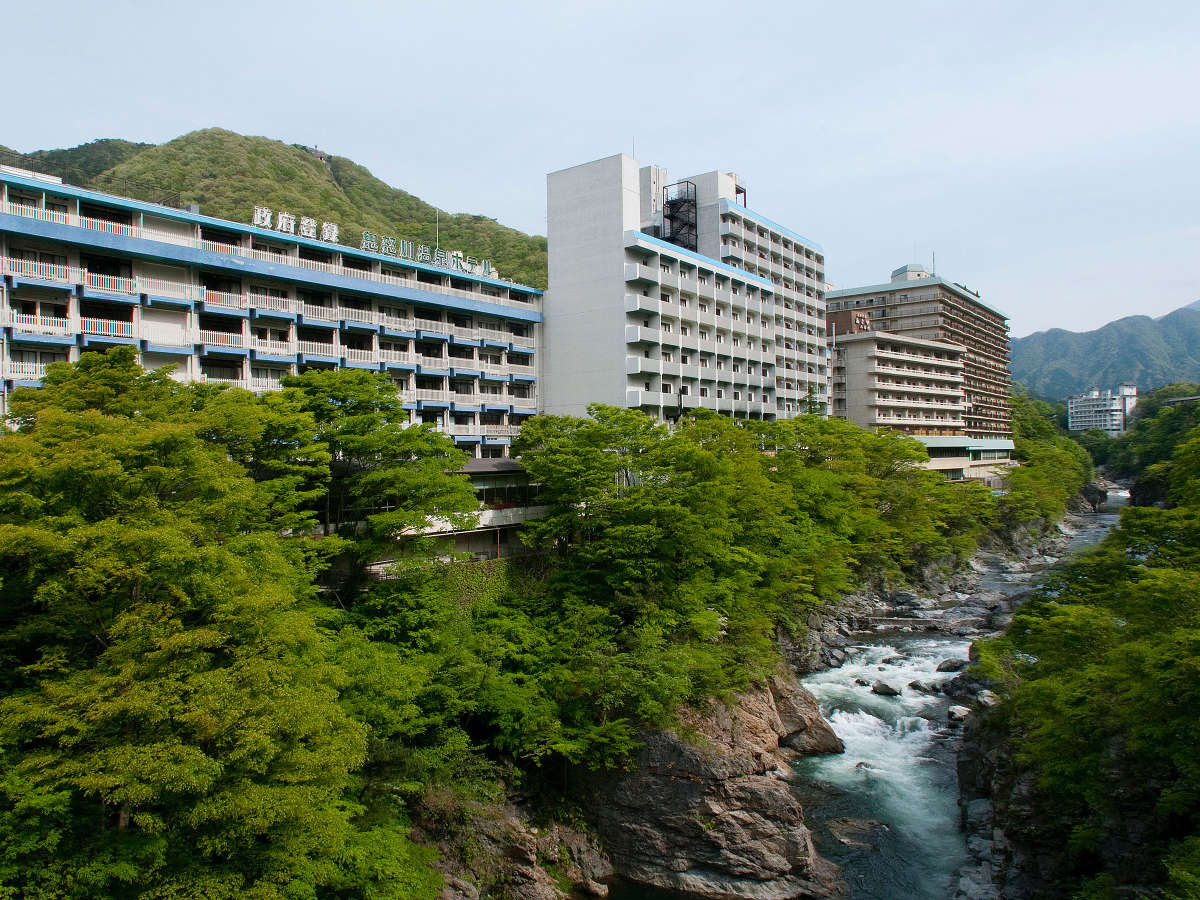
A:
(934, 264)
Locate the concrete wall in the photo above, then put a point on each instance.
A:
(589, 208)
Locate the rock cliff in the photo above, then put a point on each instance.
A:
(708, 809)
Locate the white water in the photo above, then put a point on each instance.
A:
(897, 770)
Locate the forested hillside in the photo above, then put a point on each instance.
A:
(1148, 352)
(227, 174)
(1099, 682)
(203, 694)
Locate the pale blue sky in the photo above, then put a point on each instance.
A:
(1048, 152)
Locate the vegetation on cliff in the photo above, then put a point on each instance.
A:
(203, 694)
(1099, 675)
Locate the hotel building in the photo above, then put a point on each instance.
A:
(668, 296)
(917, 304)
(229, 303)
(1108, 411)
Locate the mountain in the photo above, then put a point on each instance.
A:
(228, 174)
(1149, 352)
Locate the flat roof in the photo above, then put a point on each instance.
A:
(903, 285)
(729, 206)
(182, 215)
(715, 264)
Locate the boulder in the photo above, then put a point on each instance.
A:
(987, 698)
(924, 687)
(954, 664)
(884, 689)
(958, 713)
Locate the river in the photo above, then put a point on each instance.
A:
(886, 810)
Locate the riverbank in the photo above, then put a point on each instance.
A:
(889, 681)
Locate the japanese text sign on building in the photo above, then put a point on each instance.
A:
(285, 223)
(306, 227)
(423, 253)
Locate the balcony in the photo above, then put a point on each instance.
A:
(25, 371)
(426, 395)
(106, 327)
(222, 338)
(441, 363)
(352, 354)
(112, 284)
(641, 303)
(319, 348)
(397, 356)
(278, 348)
(37, 324)
(637, 272)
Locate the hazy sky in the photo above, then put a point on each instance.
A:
(1048, 152)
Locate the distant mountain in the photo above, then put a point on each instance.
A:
(228, 174)
(1149, 352)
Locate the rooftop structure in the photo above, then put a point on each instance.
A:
(244, 305)
(915, 303)
(668, 296)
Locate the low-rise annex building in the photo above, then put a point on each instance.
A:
(667, 297)
(230, 303)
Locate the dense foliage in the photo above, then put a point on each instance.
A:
(228, 174)
(205, 694)
(1100, 678)
(1148, 352)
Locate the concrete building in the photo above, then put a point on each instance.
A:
(887, 380)
(671, 296)
(913, 385)
(1108, 411)
(230, 303)
(915, 303)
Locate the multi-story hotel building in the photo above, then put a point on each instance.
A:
(671, 296)
(236, 304)
(917, 304)
(1108, 411)
(912, 385)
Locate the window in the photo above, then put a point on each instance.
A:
(647, 385)
(703, 392)
(683, 329)
(684, 390)
(683, 358)
(666, 388)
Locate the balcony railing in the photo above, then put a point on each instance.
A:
(222, 338)
(266, 345)
(356, 355)
(106, 327)
(25, 370)
(318, 348)
(38, 324)
(113, 283)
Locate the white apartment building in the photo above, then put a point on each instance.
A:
(238, 304)
(671, 296)
(1108, 411)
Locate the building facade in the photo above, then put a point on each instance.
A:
(1108, 411)
(668, 296)
(915, 303)
(230, 303)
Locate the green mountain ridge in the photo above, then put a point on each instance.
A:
(228, 174)
(1148, 352)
